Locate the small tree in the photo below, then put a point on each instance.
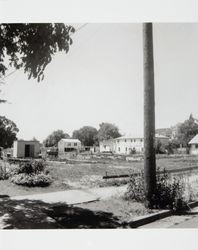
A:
(108, 131)
(53, 139)
(8, 131)
(87, 135)
(187, 130)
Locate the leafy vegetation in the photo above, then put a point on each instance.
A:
(187, 130)
(53, 139)
(30, 174)
(169, 193)
(108, 131)
(8, 131)
(87, 135)
(31, 46)
(31, 180)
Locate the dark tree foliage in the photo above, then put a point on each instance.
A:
(53, 139)
(8, 131)
(187, 130)
(87, 135)
(31, 46)
(108, 131)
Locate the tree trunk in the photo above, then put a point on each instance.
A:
(149, 114)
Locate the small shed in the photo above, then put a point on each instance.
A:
(26, 149)
(193, 145)
(68, 145)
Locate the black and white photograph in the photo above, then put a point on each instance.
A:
(98, 128)
(96, 131)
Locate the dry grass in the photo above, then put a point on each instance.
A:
(124, 210)
(64, 174)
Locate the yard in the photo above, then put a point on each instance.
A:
(87, 175)
(111, 212)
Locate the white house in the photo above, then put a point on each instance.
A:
(194, 145)
(23, 149)
(107, 146)
(68, 145)
(128, 144)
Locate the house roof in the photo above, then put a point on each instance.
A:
(140, 137)
(194, 140)
(161, 136)
(70, 140)
(129, 137)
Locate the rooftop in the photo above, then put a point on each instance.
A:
(70, 140)
(140, 137)
(194, 140)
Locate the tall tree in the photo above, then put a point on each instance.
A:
(108, 131)
(149, 114)
(32, 46)
(53, 139)
(187, 130)
(8, 132)
(87, 135)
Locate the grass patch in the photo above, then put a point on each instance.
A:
(121, 208)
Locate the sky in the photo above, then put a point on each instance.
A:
(101, 80)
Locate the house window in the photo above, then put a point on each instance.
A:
(117, 141)
(141, 140)
(125, 140)
(134, 140)
(119, 149)
(131, 140)
(75, 144)
(196, 145)
(69, 144)
(126, 149)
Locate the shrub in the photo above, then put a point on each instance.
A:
(32, 167)
(30, 174)
(33, 180)
(135, 189)
(169, 193)
(4, 175)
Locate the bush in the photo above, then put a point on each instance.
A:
(30, 174)
(32, 167)
(169, 194)
(33, 180)
(4, 175)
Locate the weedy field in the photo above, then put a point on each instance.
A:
(86, 175)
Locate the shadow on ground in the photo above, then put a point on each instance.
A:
(35, 214)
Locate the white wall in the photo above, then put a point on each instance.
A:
(124, 146)
(107, 146)
(19, 148)
(64, 144)
(193, 150)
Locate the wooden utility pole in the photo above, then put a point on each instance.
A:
(149, 114)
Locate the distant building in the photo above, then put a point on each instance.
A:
(193, 145)
(129, 144)
(169, 132)
(107, 146)
(26, 149)
(164, 131)
(68, 145)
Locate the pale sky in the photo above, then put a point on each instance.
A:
(101, 80)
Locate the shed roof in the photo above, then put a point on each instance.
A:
(194, 140)
(27, 141)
